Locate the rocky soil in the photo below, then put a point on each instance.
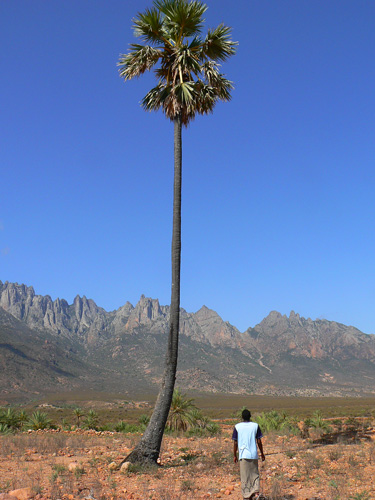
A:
(85, 464)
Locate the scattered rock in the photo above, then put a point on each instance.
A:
(125, 466)
(22, 493)
(113, 466)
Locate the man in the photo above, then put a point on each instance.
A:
(246, 436)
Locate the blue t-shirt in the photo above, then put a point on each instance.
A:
(246, 434)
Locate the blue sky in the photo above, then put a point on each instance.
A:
(278, 184)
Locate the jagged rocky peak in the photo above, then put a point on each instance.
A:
(125, 310)
(214, 329)
(121, 317)
(206, 312)
(85, 308)
(12, 294)
(147, 312)
(272, 319)
(293, 315)
(41, 312)
(147, 309)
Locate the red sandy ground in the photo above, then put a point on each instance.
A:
(74, 465)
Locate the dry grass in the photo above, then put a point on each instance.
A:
(193, 468)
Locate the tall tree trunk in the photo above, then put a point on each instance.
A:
(148, 448)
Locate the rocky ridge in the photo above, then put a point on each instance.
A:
(280, 355)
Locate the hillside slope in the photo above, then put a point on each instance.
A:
(50, 345)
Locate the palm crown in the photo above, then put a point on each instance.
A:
(185, 63)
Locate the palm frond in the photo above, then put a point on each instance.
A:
(218, 45)
(185, 93)
(195, 44)
(155, 97)
(207, 98)
(149, 26)
(139, 59)
(187, 61)
(217, 81)
(183, 18)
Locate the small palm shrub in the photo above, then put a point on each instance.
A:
(39, 420)
(198, 419)
(143, 422)
(180, 417)
(185, 416)
(211, 429)
(317, 422)
(4, 429)
(78, 413)
(201, 425)
(144, 419)
(274, 421)
(66, 425)
(23, 418)
(91, 420)
(12, 419)
(125, 427)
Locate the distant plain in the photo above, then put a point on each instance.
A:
(114, 407)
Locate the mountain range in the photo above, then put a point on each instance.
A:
(52, 346)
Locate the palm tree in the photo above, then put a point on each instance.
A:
(186, 65)
(181, 412)
(79, 414)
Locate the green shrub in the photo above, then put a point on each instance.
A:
(274, 421)
(91, 420)
(213, 428)
(105, 427)
(317, 422)
(12, 419)
(4, 429)
(144, 419)
(124, 427)
(39, 420)
(78, 413)
(180, 416)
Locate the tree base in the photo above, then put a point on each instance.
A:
(142, 457)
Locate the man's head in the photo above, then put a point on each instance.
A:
(246, 415)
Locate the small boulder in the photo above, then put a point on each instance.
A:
(22, 493)
(113, 466)
(125, 466)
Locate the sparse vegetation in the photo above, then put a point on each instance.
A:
(274, 421)
(317, 422)
(363, 495)
(39, 420)
(181, 414)
(91, 420)
(43, 456)
(79, 413)
(4, 429)
(206, 462)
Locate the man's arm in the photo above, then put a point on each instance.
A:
(235, 449)
(260, 446)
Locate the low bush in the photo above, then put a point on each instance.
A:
(125, 427)
(39, 420)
